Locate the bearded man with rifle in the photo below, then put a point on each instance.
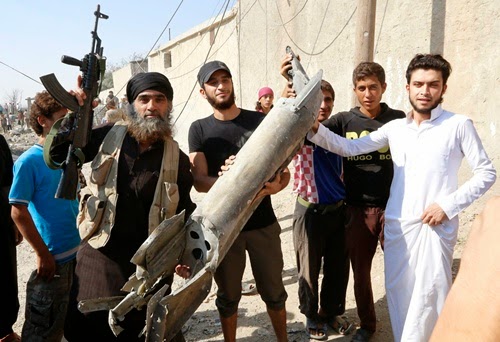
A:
(139, 177)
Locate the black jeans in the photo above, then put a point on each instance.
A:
(319, 235)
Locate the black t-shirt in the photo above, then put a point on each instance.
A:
(367, 177)
(218, 140)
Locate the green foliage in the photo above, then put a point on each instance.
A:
(107, 81)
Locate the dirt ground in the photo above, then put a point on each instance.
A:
(253, 322)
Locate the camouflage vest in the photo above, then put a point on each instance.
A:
(98, 200)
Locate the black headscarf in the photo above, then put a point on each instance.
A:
(149, 80)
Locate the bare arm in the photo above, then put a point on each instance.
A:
(288, 91)
(18, 238)
(199, 168)
(473, 300)
(286, 65)
(277, 184)
(46, 265)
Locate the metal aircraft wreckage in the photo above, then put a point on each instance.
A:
(202, 242)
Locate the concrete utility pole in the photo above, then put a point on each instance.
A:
(365, 32)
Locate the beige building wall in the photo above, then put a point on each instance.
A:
(121, 77)
(253, 36)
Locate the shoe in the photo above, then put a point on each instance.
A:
(362, 335)
(315, 330)
(248, 289)
(12, 337)
(340, 325)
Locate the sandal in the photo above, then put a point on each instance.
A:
(315, 330)
(341, 326)
(248, 289)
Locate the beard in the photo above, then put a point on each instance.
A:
(222, 105)
(425, 110)
(151, 129)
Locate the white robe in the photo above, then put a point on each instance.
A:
(426, 161)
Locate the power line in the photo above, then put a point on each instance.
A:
(319, 32)
(20, 72)
(154, 44)
(161, 34)
(206, 58)
(327, 46)
(296, 14)
(201, 39)
(199, 42)
(381, 25)
(220, 46)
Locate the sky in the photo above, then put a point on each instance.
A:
(35, 34)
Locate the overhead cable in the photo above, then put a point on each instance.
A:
(154, 44)
(206, 58)
(312, 53)
(20, 72)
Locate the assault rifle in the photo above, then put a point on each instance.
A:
(78, 123)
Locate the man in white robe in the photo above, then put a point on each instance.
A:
(421, 217)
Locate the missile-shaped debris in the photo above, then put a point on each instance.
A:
(203, 241)
(219, 218)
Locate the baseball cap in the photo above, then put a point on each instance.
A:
(208, 69)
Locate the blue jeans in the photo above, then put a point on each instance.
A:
(47, 303)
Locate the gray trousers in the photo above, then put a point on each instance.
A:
(264, 249)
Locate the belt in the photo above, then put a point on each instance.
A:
(321, 208)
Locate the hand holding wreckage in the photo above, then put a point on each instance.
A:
(78, 124)
(277, 182)
(286, 67)
(228, 162)
(292, 71)
(183, 271)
